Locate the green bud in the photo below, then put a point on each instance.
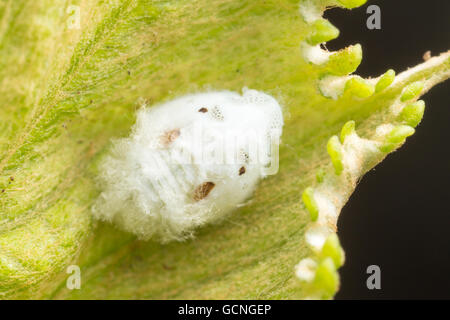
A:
(412, 91)
(327, 278)
(412, 114)
(332, 249)
(385, 80)
(323, 31)
(345, 61)
(396, 137)
(334, 149)
(347, 129)
(359, 88)
(310, 203)
(350, 4)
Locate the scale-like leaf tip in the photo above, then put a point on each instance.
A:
(323, 31)
(385, 80)
(310, 203)
(412, 91)
(396, 137)
(347, 129)
(327, 278)
(412, 114)
(359, 88)
(320, 175)
(332, 249)
(345, 61)
(305, 270)
(334, 149)
(350, 4)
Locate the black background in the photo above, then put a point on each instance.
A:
(399, 217)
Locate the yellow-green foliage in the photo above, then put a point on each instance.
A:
(65, 92)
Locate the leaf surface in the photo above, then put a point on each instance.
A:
(66, 91)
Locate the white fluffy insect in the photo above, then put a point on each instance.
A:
(189, 162)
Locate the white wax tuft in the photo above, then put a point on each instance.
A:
(189, 162)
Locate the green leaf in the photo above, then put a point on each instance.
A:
(67, 91)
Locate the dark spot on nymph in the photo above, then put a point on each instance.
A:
(202, 191)
(203, 110)
(241, 171)
(169, 137)
(245, 157)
